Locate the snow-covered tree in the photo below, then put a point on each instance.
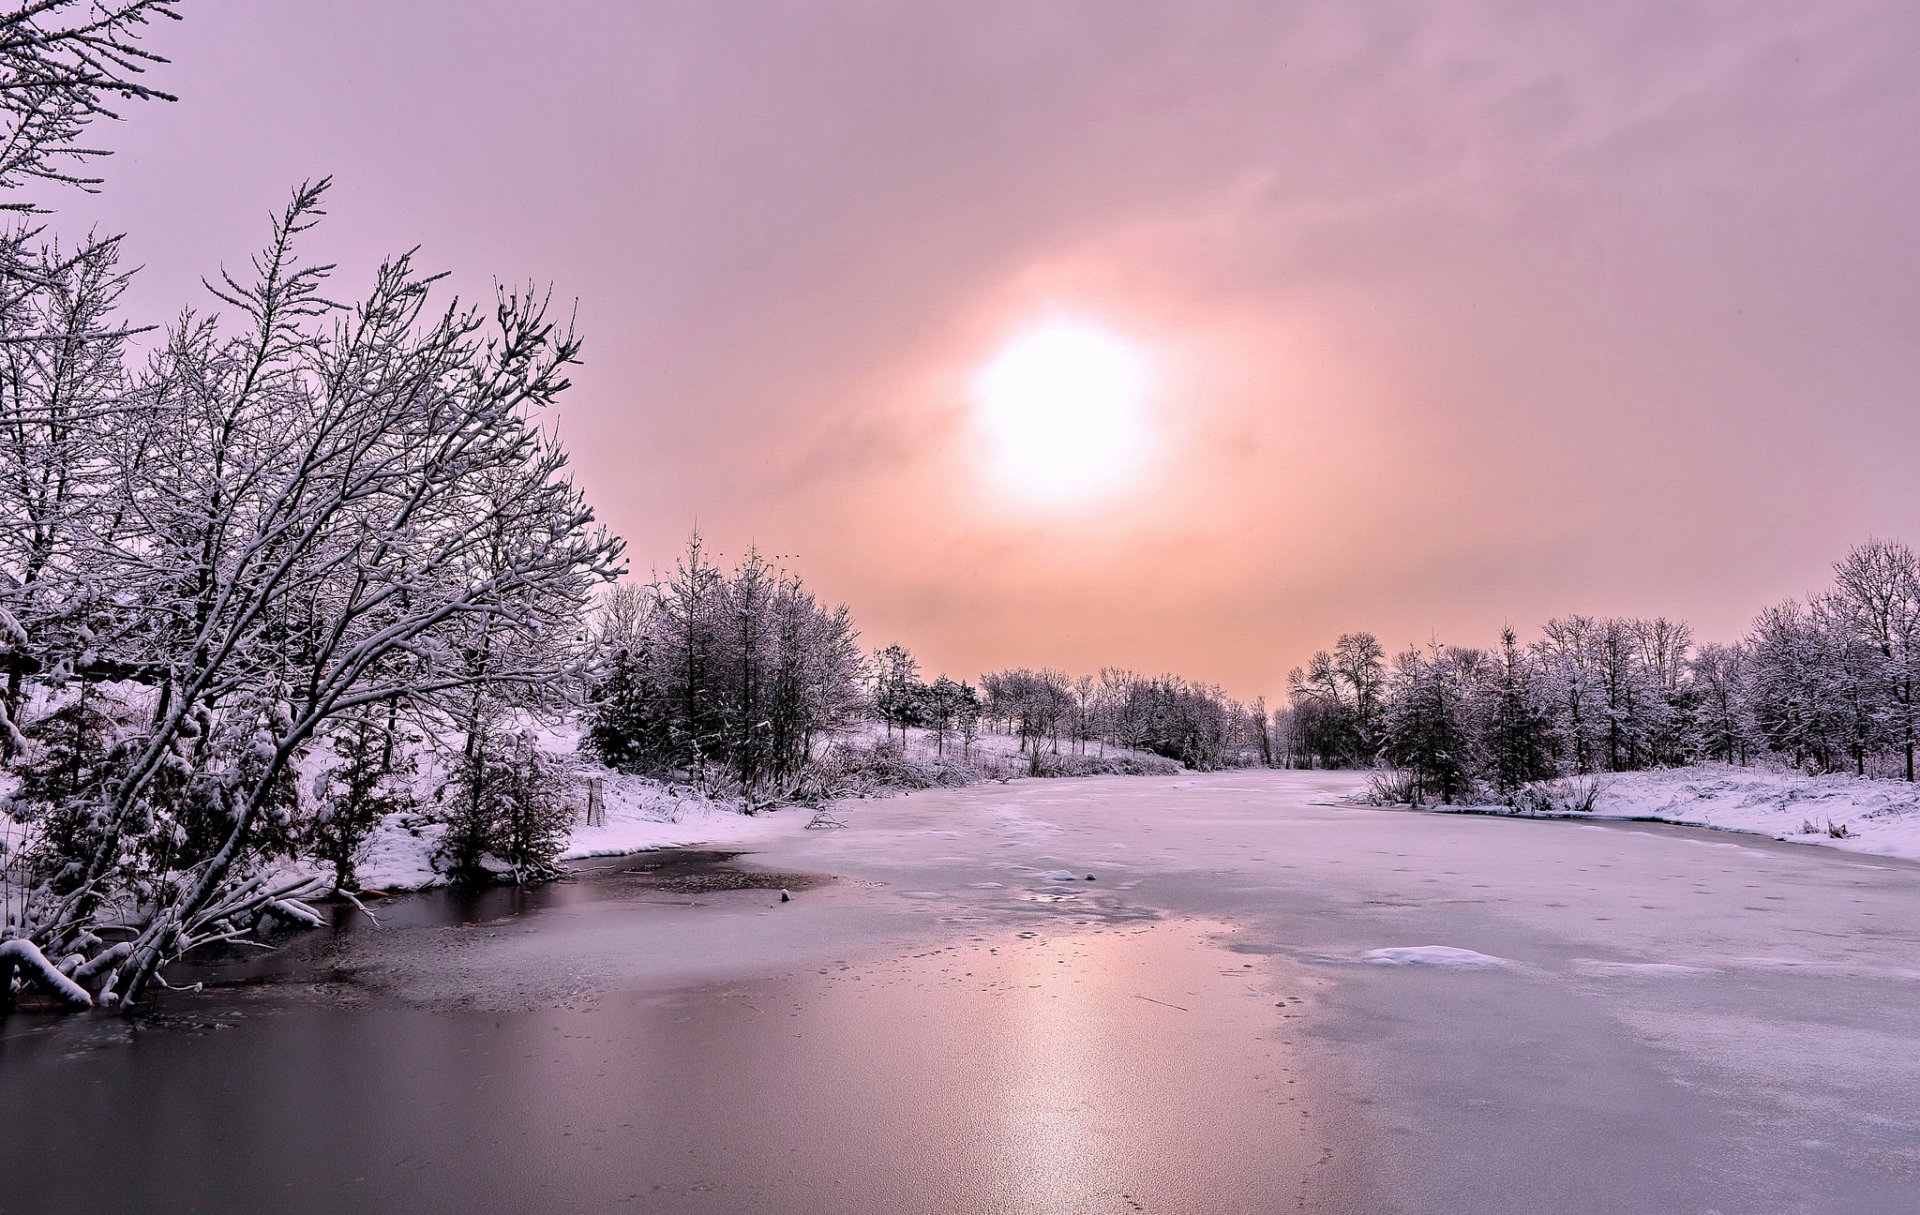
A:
(1515, 717)
(1876, 601)
(1428, 724)
(1721, 678)
(313, 511)
(726, 678)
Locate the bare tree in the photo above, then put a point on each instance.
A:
(63, 64)
(1876, 598)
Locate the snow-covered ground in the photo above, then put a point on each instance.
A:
(1881, 817)
(643, 813)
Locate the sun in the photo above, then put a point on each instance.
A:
(1064, 410)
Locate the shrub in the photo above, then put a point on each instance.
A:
(853, 770)
(1392, 787)
(1562, 795)
(371, 781)
(507, 811)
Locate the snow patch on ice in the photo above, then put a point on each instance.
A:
(1433, 955)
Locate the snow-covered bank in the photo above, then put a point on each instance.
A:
(643, 813)
(1880, 817)
(640, 814)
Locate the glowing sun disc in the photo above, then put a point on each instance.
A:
(1063, 407)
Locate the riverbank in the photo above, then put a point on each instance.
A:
(1876, 817)
(641, 813)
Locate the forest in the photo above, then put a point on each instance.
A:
(1825, 684)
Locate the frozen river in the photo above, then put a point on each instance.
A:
(1263, 1000)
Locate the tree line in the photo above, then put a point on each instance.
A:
(1194, 724)
(729, 678)
(1826, 683)
(732, 680)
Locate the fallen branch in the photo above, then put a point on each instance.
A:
(350, 897)
(295, 912)
(23, 956)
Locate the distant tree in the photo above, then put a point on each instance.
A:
(1720, 676)
(1428, 725)
(1360, 664)
(620, 619)
(627, 715)
(1261, 724)
(1876, 600)
(1669, 712)
(968, 710)
(724, 678)
(688, 649)
(946, 706)
(1322, 715)
(898, 695)
(1083, 701)
(1119, 706)
(1517, 717)
(1566, 651)
(1800, 696)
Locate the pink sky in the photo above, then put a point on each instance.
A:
(1461, 314)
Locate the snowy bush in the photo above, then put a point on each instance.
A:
(507, 807)
(1564, 795)
(1048, 764)
(1392, 787)
(371, 779)
(851, 769)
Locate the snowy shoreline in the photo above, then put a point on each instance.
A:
(644, 813)
(641, 815)
(1879, 817)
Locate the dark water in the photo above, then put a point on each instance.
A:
(1111, 1069)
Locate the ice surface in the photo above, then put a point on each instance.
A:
(1649, 1024)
